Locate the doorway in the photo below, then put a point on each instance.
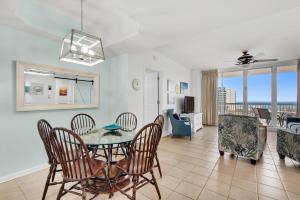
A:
(151, 96)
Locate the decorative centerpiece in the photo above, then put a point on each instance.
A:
(112, 129)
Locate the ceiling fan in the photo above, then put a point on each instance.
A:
(247, 58)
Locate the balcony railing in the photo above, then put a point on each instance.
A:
(238, 108)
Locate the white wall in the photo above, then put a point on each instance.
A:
(168, 70)
(196, 77)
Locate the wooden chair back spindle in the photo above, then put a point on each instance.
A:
(143, 149)
(160, 120)
(72, 154)
(82, 123)
(127, 121)
(44, 129)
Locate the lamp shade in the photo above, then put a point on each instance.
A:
(82, 48)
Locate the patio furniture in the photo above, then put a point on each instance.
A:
(44, 129)
(264, 114)
(242, 136)
(77, 166)
(255, 111)
(288, 144)
(141, 159)
(181, 126)
(159, 120)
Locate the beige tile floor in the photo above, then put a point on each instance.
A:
(194, 170)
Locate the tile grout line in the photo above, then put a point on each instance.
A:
(20, 188)
(285, 189)
(236, 158)
(208, 178)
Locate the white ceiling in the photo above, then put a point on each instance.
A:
(196, 33)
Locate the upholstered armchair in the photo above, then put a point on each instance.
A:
(288, 144)
(181, 126)
(242, 136)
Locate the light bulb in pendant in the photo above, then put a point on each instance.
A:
(84, 49)
(91, 52)
(73, 48)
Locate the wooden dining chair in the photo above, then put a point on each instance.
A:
(159, 120)
(82, 124)
(128, 122)
(140, 160)
(44, 129)
(77, 166)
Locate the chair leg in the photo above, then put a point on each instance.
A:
(109, 184)
(83, 190)
(51, 171)
(158, 165)
(155, 184)
(135, 181)
(59, 195)
(54, 172)
(117, 151)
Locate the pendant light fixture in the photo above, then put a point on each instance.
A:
(82, 48)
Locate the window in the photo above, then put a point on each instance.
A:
(259, 87)
(230, 92)
(286, 92)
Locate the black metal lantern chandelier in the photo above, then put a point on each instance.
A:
(82, 48)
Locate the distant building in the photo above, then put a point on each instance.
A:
(221, 99)
(230, 95)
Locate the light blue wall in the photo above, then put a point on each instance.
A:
(20, 145)
(119, 77)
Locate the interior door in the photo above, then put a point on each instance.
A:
(151, 96)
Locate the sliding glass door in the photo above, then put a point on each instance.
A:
(259, 89)
(273, 88)
(286, 93)
(230, 92)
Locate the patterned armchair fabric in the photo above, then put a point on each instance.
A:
(242, 136)
(288, 144)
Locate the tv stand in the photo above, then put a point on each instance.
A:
(196, 120)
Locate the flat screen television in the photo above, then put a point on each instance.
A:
(189, 104)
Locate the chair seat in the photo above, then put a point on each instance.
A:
(96, 165)
(138, 165)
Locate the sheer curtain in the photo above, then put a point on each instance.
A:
(209, 85)
(298, 88)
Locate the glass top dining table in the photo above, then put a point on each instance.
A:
(100, 136)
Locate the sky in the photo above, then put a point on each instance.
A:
(259, 87)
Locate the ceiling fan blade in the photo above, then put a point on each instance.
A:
(266, 60)
(259, 55)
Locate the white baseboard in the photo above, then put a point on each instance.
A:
(23, 172)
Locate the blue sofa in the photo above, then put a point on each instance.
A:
(181, 126)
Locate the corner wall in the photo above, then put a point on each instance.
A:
(168, 70)
(21, 148)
